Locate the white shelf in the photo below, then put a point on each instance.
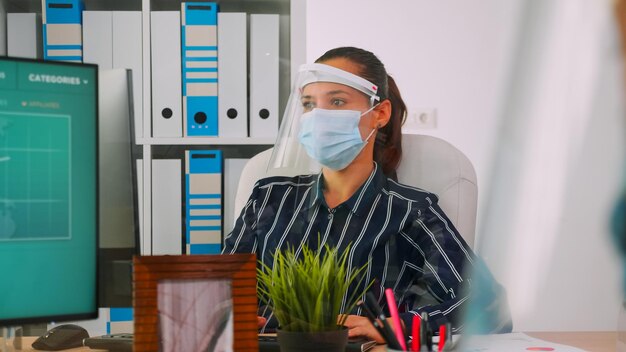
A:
(208, 141)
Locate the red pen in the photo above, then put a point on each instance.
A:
(415, 344)
(442, 337)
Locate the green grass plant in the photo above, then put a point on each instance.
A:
(306, 293)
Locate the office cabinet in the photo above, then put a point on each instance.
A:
(292, 53)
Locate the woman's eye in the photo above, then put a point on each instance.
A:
(308, 105)
(337, 102)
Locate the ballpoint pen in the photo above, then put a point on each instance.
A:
(415, 333)
(425, 336)
(442, 337)
(450, 344)
(371, 302)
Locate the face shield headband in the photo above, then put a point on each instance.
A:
(312, 73)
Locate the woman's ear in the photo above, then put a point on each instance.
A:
(383, 113)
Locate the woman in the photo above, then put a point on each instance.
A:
(347, 113)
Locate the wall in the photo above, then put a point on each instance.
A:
(460, 58)
(558, 170)
(449, 55)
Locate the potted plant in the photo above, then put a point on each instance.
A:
(306, 296)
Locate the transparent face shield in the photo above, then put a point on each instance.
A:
(331, 94)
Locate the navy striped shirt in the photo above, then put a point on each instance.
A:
(399, 231)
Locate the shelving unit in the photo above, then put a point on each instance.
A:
(161, 147)
(207, 141)
(292, 53)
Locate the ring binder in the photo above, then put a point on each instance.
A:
(264, 31)
(166, 83)
(233, 74)
(203, 205)
(62, 30)
(199, 68)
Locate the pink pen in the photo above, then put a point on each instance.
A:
(393, 309)
(416, 333)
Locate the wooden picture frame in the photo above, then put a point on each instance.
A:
(150, 271)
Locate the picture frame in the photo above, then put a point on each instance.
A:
(151, 274)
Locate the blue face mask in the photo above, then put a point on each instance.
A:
(332, 137)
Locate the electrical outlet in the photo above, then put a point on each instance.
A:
(420, 119)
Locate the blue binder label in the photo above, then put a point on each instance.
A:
(62, 30)
(203, 201)
(199, 68)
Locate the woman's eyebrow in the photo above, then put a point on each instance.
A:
(332, 92)
(337, 91)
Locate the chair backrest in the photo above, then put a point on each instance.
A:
(429, 163)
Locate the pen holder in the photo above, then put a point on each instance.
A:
(330, 341)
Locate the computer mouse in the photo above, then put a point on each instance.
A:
(61, 337)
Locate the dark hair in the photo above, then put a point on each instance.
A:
(388, 147)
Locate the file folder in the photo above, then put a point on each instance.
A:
(112, 39)
(232, 65)
(98, 38)
(62, 32)
(264, 31)
(120, 320)
(127, 53)
(23, 35)
(166, 207)
(166, 80)
(199, 68)
(203, 201)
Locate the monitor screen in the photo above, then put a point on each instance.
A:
(48, 191)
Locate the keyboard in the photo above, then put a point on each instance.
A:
(269, 343)
(112, 342)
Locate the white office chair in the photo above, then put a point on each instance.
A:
(428, 163)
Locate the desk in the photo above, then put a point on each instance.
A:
(27, 341)
(596, 341)
(600, 341)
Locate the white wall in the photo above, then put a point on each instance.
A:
(449, 55)
(459, 57)
(559, 169)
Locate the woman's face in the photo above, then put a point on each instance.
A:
(332, 96)
(336, 96)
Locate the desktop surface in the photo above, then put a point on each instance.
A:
(28, 340)
(596, 341)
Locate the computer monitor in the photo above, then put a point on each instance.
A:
(118, 206)
(48, 191)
